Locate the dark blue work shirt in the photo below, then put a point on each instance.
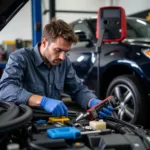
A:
(26, 74)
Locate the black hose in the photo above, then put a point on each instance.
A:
(122, 122)
(134, 129)
(12, 111)
(117, 127)
(19, 121)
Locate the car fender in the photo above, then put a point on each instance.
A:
(125, 62)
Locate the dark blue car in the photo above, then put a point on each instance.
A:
(124, 67)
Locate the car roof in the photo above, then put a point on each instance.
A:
(95, 17)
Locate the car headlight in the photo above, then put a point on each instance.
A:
(147, 52)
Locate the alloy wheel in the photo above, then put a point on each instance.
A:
(124, 103)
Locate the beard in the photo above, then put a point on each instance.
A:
(45, 58)
(48, 61)
(56, 62)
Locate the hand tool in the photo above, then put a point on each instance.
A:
(93, 112)
(68, 133)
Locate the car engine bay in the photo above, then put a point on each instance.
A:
(25, 128)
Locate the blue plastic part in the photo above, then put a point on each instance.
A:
(36, 21)
(41, 121)
(64, 133)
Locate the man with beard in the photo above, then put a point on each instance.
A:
(36, 76)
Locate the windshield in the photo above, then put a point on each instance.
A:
(136, 28)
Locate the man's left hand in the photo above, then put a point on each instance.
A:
(105, 111)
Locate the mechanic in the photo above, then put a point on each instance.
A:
(36, 76)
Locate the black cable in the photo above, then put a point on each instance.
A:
(17, 122)
(98, 52)
(89, 71)
(135, 129)
(144, 137)
(11, 111)
(117, 127)
(122, 122)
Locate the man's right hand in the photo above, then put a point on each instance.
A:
(56, 107)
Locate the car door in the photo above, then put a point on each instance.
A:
(82, 53)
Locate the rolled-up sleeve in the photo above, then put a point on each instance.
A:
(75, 88)
(12, 79)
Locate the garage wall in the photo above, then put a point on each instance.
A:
(76, 5)
(133, 6)
(20, 25)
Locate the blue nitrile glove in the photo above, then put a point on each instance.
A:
(56, 107)
(105, 111)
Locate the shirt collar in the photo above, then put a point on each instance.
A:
(38, 58)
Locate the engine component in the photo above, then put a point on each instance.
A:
(58, 119)
(30, 133)
(24, 117)
(97, 124)
(68, 133)
(8, 111)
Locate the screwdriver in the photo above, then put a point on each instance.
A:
(68, 133)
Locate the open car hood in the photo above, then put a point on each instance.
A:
(8, 9)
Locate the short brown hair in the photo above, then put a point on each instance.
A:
(59, 28)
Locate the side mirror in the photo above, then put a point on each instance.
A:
(81, 35)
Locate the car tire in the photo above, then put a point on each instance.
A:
(130, 103)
